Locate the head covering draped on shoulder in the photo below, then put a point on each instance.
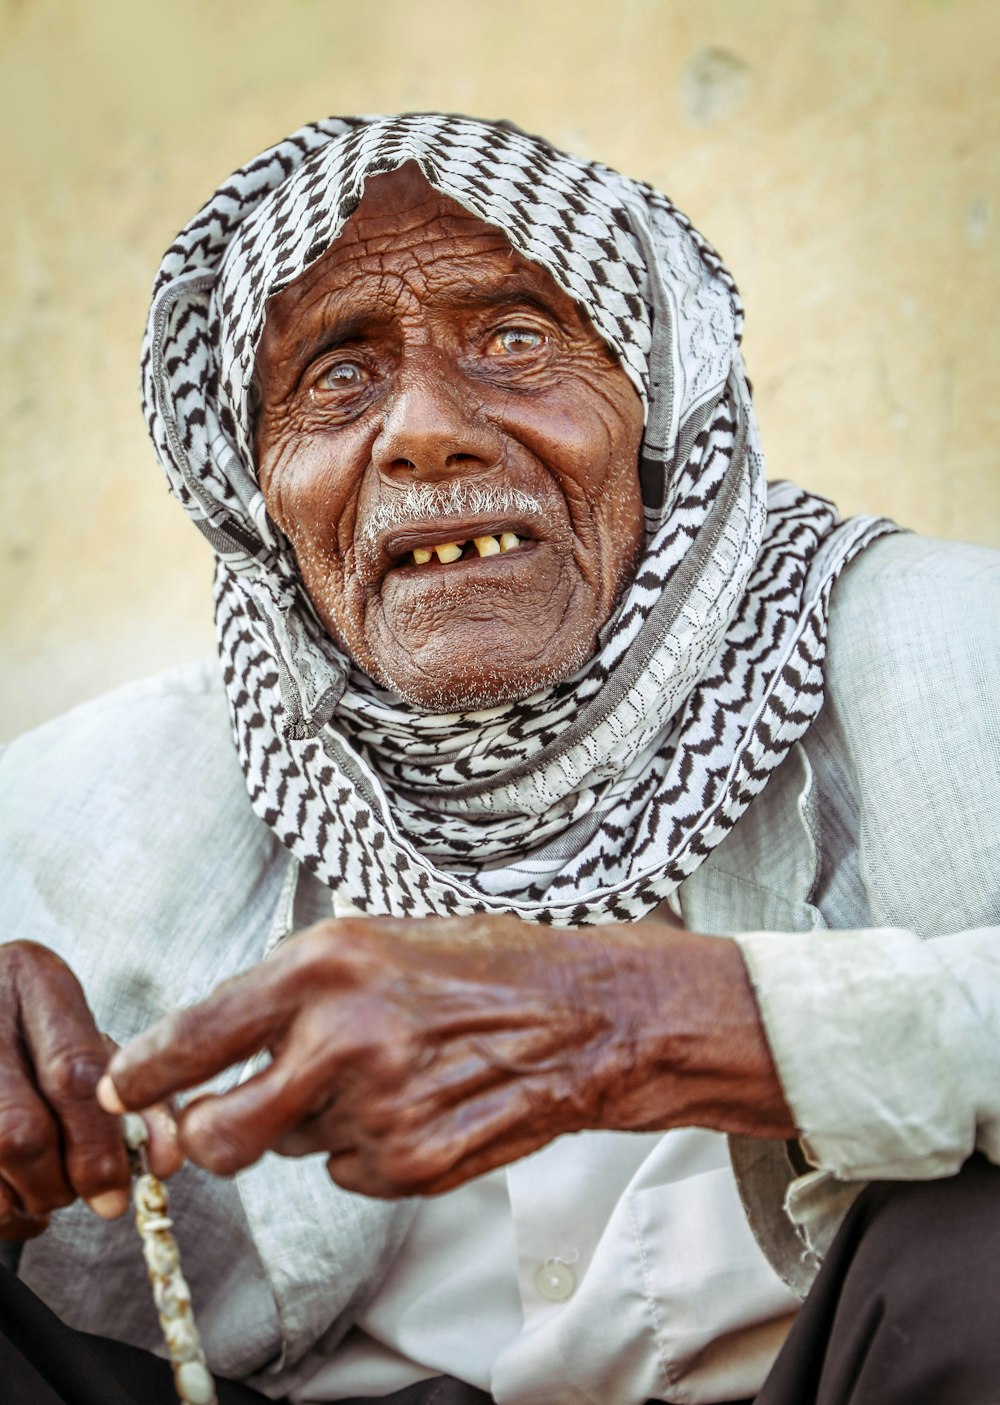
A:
(588, 802)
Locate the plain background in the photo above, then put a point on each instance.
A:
(843, 155)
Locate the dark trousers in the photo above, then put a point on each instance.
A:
(905, 1311)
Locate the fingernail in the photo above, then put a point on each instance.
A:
(109, 1204)
(164, 1148)
(164, 1121)
(107, 1095)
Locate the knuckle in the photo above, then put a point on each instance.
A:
(99, 1169)
(378, 1117)
(176, 1026)
(349, 946)
(389, 1063)
(17, 952)
(347, 1170)
(408, 1163)
(399, 1050)
(26, 1136)
(219, 1151)
(404, 1122)
(315, 945)
(26, 958)
(71, 1075)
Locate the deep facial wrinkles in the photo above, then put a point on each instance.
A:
(421, 384)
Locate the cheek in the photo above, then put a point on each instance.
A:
(306, 488)
(610, 430)
(590, 440)
(572, 437)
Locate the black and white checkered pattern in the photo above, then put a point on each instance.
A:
(594, 802)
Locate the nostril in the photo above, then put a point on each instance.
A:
(461, 458)
(402, 463)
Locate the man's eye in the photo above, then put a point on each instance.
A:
(514, 340)
(343, 375)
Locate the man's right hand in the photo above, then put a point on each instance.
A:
(56, 1142)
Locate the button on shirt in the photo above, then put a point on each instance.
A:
(607, 1266)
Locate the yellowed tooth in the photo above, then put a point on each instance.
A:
(487, 546)
(448, 551)
(421, 555)
(508, 541)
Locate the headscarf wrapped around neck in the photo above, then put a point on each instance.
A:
(589, 801)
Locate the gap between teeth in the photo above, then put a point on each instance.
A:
(451, 551)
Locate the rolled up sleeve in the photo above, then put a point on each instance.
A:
(886, 1046)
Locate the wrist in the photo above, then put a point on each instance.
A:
(686, 1045)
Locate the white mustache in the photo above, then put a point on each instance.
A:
(459, 500)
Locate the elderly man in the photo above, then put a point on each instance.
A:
(538, 691)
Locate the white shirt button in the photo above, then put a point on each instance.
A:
(555, 1281)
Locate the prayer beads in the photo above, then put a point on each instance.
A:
(192, 1378)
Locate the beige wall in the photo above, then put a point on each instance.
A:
(842, 154)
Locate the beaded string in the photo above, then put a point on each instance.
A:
(192, 1379)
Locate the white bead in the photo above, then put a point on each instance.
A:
(161, 1256)
(195, 1384)
(181, 1337)
(135, 1131)
(155, 1223)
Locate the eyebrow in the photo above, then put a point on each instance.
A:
(331, 334)
(466, 294)
(472, 294)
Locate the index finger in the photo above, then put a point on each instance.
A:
(184, 1049)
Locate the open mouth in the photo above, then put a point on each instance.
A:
(418, 549)
(445, 553)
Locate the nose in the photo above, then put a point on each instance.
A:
(433, 427)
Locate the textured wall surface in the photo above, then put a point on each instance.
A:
(842, 154)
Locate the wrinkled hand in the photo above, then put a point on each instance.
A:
(56, 1142)
(418, 1054)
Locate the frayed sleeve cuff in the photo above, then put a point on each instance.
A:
(886, 1046)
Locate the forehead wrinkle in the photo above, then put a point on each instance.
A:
(436, 270)
(327, 322)
(399, 238)
(439, 280)
(383, 233)
(366, 278)
(507, 289)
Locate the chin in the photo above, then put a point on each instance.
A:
(479, 689)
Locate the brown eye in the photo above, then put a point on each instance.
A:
(515, 340)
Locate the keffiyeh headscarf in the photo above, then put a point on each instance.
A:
(592, 800)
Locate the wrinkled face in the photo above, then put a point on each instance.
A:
(451, 450)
